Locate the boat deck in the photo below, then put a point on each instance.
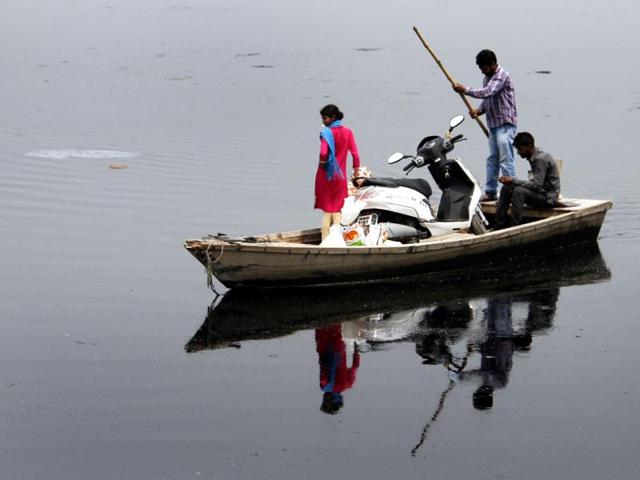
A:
(489, 208)
(311, 237)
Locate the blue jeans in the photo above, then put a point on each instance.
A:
(500, 160)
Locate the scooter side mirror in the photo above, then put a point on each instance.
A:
(455, 121)
(395, 158)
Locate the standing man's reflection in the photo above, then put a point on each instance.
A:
(335, 375)
(501, 342)
(496, 351)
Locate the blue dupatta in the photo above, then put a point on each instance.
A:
(332, 169)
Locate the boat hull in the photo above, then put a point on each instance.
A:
(284, 259)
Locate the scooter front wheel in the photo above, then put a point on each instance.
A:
(477, 225)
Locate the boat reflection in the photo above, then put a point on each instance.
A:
(388, 311)
(471, 326)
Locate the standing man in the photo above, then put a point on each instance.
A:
(499, 103)
(541, 190)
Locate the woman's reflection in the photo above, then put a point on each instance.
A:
(335, 375)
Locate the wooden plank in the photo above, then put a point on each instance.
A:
(531, 212)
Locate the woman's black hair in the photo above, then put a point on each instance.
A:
(485, 58)
(331, 111)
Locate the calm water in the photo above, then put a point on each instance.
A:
(112, 363)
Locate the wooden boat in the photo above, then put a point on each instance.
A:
(296, 258)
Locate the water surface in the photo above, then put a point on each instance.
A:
(113, 364)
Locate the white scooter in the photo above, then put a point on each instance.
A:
(402, 204)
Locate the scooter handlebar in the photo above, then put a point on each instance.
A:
(409, 167)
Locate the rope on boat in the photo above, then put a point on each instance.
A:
(216, 300)
(210, 264)
(223, 237)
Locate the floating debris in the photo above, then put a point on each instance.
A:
(250, 54)
(73, 153)
(368, 49)
(543, 72)
(263, 66)
(118, 166)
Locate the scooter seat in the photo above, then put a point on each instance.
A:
(420, 185)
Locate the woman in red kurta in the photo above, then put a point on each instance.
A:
(336, 141)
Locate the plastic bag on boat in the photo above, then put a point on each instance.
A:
(354, 236)
(376, 236)
(334, 239)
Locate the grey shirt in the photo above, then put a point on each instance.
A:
(544, 176)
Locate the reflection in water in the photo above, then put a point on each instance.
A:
(496, 350)
(502, 334)
(242, 315)
(471, 326)
(335, 375)
(501, 341)
(447, 325)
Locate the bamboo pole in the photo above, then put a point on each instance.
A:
(451, 80)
